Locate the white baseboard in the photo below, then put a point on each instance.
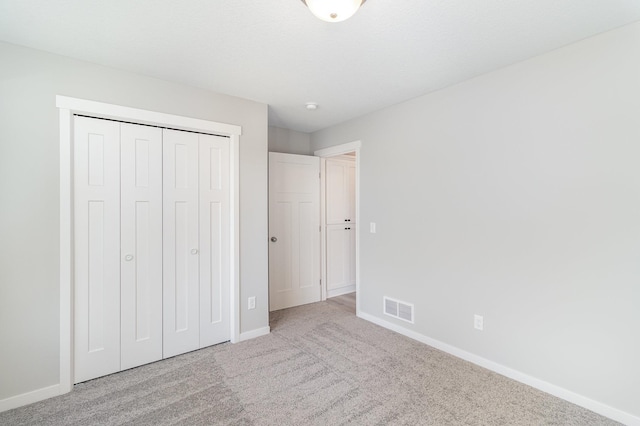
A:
(567, 395)
(340, 291)
(29, 397)
(255, 333)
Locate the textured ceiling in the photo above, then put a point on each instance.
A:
(276, 52)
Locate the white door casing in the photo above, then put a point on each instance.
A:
(294, 230)
(180, 278)
(97, 248)
(141, 244)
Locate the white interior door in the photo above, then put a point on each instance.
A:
(214, 239)
(180, 245)
(294, 228)
(141, 244)
(96, 248)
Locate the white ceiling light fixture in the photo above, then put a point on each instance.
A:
(333, 10)
(311, 106)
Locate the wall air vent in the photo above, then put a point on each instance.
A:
(397, 309)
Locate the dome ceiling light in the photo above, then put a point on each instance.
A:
(333, 10)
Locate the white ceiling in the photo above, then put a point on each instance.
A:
(276, 52)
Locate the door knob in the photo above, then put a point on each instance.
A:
(274, 239)
(194, 251)
(128, 257)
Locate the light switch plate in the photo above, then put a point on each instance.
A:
(478, 322)
(372, 227)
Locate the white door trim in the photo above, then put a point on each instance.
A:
(332, 151)
(67, 108)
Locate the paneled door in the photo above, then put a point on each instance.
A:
(141, 244)
(97, 248)
(180, 243)
(215, 239)
(152, 241)
(196, 241)
(294, 230)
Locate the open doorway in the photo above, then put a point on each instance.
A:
(340, 236)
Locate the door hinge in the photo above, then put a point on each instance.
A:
(320, 228)
(320, 175)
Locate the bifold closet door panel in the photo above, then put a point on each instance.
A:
(96, 248)
(214, 239)
(141, 244)
(180, 243)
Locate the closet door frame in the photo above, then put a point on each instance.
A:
(68, 108)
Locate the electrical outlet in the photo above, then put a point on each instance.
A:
(252, 302)
(478, 322)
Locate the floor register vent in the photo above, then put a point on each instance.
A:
(397, 309)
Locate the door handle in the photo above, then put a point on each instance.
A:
(194, 251)
(128, 257)
(274, 239)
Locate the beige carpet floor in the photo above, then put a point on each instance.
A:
(319, 366)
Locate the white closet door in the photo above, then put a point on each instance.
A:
(214, 240)
(180, 245)
(141, 244)
(96, 248)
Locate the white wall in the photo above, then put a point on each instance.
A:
(289, 141)
(29, 196)
(515, 195)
